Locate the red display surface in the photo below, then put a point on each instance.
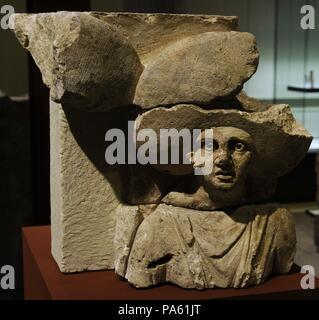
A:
(44, 281)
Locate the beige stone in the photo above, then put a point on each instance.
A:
(128, 221)
(201, 248)
(84, 192)
(85, 62)
(205, 249)
(149, 33)
(198, 69)
(276, 133)
(250, 104)
(160, 223)
(94, 60)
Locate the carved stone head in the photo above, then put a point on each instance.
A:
(243, 149)
(230, 151)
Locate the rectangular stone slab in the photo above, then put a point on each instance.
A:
(82, 198)
(149, 32)
(95, 61)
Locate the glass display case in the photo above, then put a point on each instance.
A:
(297, 65)
(289, 64)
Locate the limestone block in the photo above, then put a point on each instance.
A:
(150, 33)
(206, 249)
(84, 191)
(84, 61)
(128, 221)
(198, 69)
(250, 104)
(95, 61)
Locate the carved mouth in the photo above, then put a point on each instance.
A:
(224, 176)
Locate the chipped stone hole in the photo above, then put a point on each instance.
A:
(161, 261)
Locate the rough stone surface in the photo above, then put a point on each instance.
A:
(85, 62)
(94, 60)
(275, 131)
(198, 69)
(205, 249)
(83, 198)
(250, 104)
(121, 63)
(150, 33)
(128, 221)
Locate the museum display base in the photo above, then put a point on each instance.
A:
(44, 281)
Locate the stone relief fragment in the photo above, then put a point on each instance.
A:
(161, 222)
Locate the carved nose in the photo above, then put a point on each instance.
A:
(221, 158)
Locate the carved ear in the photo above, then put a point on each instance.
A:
(84, 61)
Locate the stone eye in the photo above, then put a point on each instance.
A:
(238, 146)
(208, 145)
(211, 145)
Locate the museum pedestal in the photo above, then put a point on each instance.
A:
(44, 281)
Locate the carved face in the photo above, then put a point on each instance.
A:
(230, 150)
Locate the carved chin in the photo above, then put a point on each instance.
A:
(223, 182)
(224, 186)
